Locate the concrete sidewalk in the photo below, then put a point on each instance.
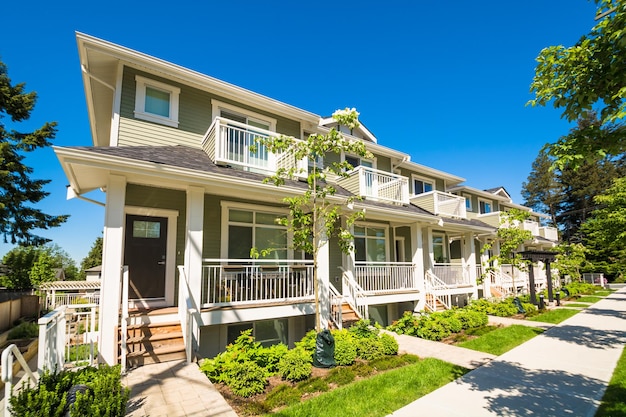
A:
(562, 372)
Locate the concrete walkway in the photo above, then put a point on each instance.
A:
(562, 372)
(173, 389)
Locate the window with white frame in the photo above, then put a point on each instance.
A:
(440, 250)
(468, 202)
(485, 206)
(422, 185)
(156, 102)
(248, 228)
(370, 243)
(356, 161)
(266, 332)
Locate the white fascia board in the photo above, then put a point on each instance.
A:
(82, 56)
(450, 178)
(190, 77)
(481, 193)
(456, 227)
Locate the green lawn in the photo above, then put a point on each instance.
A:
(502, 339)
(588, 299)
(576, 305)
(555, 316)
(381, 394)
(614, 400)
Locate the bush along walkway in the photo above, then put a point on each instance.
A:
(562, 372)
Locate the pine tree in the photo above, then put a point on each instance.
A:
(18, 192)
(542, 191)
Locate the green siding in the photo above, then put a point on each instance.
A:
(383, 163)
(194, 115)
(405, 232)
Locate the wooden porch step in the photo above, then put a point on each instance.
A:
(158, 355)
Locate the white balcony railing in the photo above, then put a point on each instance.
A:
(55, 300)
(381, 277)
(377, 185)
(453, 275)
(532, 226)
(232, 143)
(441, 203)
(242, 281)
(550, 233)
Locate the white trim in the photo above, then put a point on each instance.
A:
(373, 160)
(425, 180)
(114, 134)
(445, 245)
(170, 257)
(140, 101)
(217, 105)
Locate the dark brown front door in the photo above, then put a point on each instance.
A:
(145, 253)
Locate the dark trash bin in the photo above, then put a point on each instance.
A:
(324, 356)
(518, 304)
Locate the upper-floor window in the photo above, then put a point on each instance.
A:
(370, 243)
(485, 206)
(468, 202)
(355, 161)
(422, 185)
(156, 102)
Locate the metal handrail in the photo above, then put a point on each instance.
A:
(7, 373)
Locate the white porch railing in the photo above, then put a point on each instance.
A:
(377, 185)
(436, 290)
(381, 277)
(336, 301)
(550, 233)
(532, 226)
(55, 300)
(68, 336)
(243, 281)
(354, 295)
(228, 142)
(6, 362)
(453, 275)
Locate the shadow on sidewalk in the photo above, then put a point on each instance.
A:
(581, 335)
(514, 390)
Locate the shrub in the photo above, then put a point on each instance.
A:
(26, 330)
(433, 329)
(471, 318)
(407, 324)
(504, 309)
(269, 357)
(345, 347)
(369, 348)
(246, 379)
(531, 309)
(308, 342)
(362, 330)
(104, 395)
(295, 365)
(389, 344)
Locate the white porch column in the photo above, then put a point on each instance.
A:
(469, 258)
(323, 280)
(112, 259)
(193, 250)
(484, 260)
(417, 246)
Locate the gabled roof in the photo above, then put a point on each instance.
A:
(499, 191)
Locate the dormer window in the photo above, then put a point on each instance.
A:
(156, 102)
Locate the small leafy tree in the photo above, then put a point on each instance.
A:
(42, 270)
(316, 214)
(511, 237)
(570, 259)
(605, 231)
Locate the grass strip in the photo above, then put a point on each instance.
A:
(381, 394)
(583, 305)
(502, 340)
(614, 399)
(555, 316)
(589, 299)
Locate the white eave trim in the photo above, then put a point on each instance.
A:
(188, 76)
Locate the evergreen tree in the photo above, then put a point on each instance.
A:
(93, 258)
(542, 192)
(18, 192)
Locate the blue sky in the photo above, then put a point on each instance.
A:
(446, 82)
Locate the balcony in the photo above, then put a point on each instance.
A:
(453, 275)
(550, 233)
(386, 277)
(230, 282)
(231, 143)
(441, 204)
(377, 185)
(531, 226)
